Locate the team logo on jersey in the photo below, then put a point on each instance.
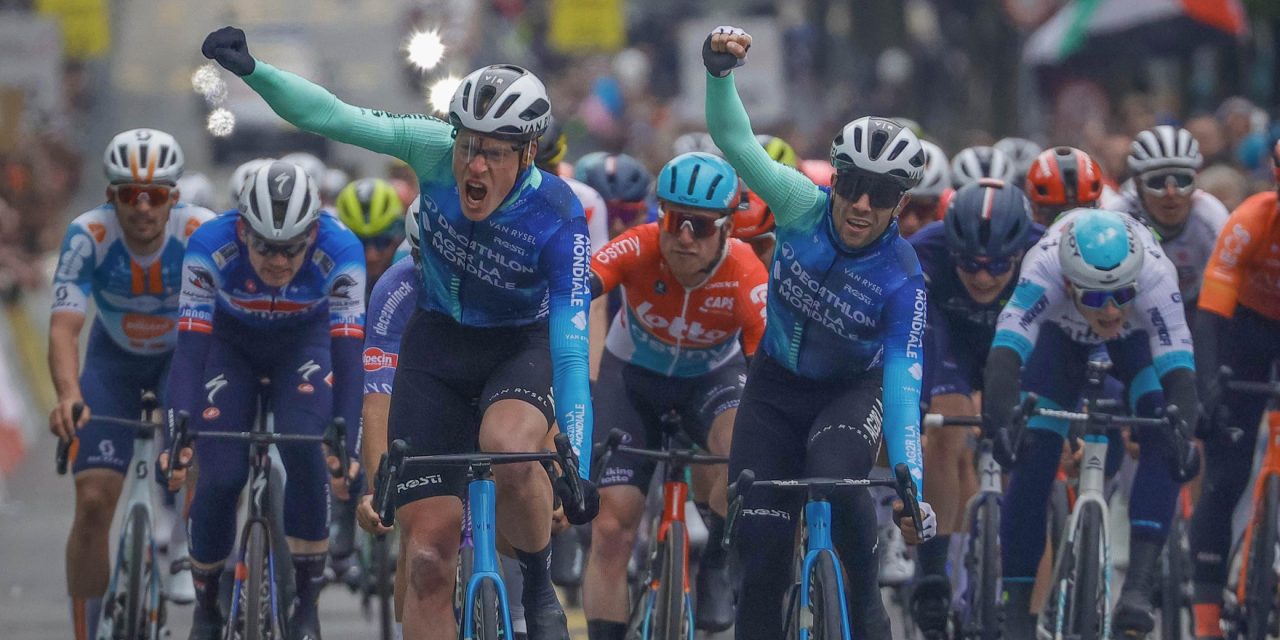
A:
(308, 369)
(306, 388)
(580, 320)
(916, 371)
(192, 225)
(215, 385)
(201, 278)
(342, 286)
(660, 287)
(211, 414)
(376, 359)
(107, 448)
(98, 231)
(140, 326)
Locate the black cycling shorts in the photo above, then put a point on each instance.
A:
(447, 377)
(633, 399)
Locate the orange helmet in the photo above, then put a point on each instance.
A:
(819, 171)
(753, 220)
(1064, 176)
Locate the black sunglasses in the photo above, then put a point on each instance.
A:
(882, 192)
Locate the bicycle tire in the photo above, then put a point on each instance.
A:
(383, 586)
(1261, 586)
(669, 614)
(988, 606)
(466, 560)
(258, 618)
(1174, 576)
(486, 613)
(1086, 599)
(822, 620)
(135, 615)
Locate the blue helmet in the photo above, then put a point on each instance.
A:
(1100, 249)
(699, 180)
(618, 178)
(988, 218)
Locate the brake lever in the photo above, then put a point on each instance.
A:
(388, 472)
(737, 496)
(604, 452)
(906, 487)
(62, 456)
(179, 439)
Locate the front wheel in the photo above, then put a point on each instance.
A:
(138, 565)
(487, 619)
(256, 618)
(670, 615)
(1175, 575)
(822, 618)
(1260, 596)
(982, 607)
(1077, 598)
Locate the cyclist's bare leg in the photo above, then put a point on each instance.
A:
(613, 534)
(718, 441)
(524, 493)
(429, 537)
(88, 544)
(950, 461)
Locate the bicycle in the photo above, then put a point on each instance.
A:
(981, 611)
(1079, 603)
(816, 608)
(133, 606)
(485, 613)
(258, 599)
(1250, 609)
(663, 604)
(377, 555)
(1174, 589)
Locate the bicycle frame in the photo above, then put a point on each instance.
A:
(1090, 490)
(816, 541)
(1270, 467)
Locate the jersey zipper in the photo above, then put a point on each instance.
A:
(684, 317)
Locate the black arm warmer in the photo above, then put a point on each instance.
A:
(1205, 330)
(1180, 391)
(1002, 380)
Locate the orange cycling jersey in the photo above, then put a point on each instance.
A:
(1245, 265)
(675, 331)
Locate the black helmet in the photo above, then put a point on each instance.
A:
(988, 218)
(617, 177)
(552, 146)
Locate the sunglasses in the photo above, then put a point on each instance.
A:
(701, 226)
(882, 192)
(993, 266)
(266, 248)
(1182, 182)
(1098, 298)
(628, 213)
(131, 194)
(497, 154)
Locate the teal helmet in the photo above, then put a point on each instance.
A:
(1100, 249)
(699, 180)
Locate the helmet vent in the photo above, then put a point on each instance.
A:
(857, 139)
(898, 149)
(879, 139)
(693, 179)
(711, 190)
(506, 104)
(484, 100)
(535, 110)
(466, 96)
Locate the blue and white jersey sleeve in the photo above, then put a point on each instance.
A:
(391, 304)
(1040, 294)
(566, 259)
(905, 312)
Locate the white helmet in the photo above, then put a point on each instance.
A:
(879, 146)
(1164, 147)
(937, 172)
(241, 175)
(975, 163)
(1100, 249)
(314, 166)
(198, 190)
(141, 156)
(695, 141)
(1022, 152)
(501, 100)
(280, 201)
(411, 222)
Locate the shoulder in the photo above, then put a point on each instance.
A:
(98, 223)
(585, 192)
(399, 277)
(1208, 209)
(220, 227)
(555, 194)
(745, 261)
(905, 257)
(184, 219)
(334, 235)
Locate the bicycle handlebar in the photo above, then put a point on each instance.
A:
(939, 420)
(902, 483)
(180, 437)
(613, 444)
(1252, 388)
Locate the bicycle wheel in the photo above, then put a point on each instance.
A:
(1084, 619)
(984, 612)
(823, 618)
(257, 619)
(383, 585)
(1260, 594)
(1175, 573)
(486, 613)
(669, 614)
(133, 599)
(466, 558)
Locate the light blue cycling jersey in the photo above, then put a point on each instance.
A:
(391, 304)
(832, 311)
(527, 262)
(136, 296)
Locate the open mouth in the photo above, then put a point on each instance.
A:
(858, 223)
(475, 192)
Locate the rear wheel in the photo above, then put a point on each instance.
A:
(1260, 596)
(669, 614)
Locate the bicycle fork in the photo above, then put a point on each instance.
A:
(816, 525)
(482, 504)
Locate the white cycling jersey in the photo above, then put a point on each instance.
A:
(597, 213)
(1190, 249)
(1041, 296)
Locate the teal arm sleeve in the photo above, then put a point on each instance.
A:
(423, 142)
(787, 192)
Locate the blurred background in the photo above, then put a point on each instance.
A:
(624, 75)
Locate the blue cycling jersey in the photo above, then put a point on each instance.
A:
(391, 304)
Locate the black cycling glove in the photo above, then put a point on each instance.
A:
(227, 46)
(720, 63)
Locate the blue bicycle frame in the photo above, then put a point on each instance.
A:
(482, 503)
(817, 533)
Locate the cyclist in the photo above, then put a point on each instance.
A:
(371, 209)
(1163, 195)
(127, 255)
(970, 261)
(929, 198)
(752, 220)
(276, 291)
(624, 184)
(975, 163)
(1238, 326)
(501, 315)
(1061, 179)
(846, 314)
(692, 295)
(1097, 277)
(1021, 152)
